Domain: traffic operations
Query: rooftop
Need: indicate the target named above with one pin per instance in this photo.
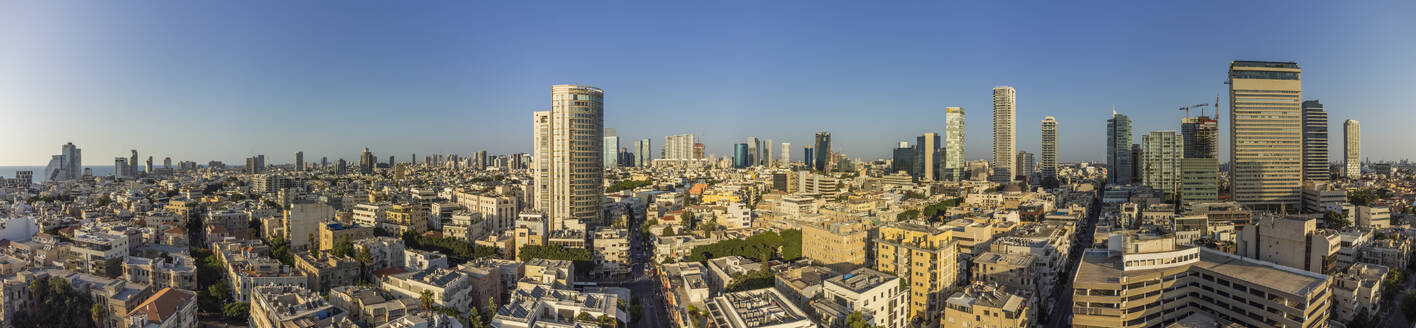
(862, 280)
(1105, 267)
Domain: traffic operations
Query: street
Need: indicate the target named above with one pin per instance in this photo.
(1062, 304)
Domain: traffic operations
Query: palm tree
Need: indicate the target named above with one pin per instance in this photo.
(426, 299)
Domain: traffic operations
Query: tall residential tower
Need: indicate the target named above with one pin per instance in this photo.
(569, 164)
(1352, 151)
(1005, 143)
(1049, 148)
(953, 143)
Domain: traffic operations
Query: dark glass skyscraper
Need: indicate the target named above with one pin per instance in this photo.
(741, 159)
(1315, 142)
(1119, 164)
(823, 151)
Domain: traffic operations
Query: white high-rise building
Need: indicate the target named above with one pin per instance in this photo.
(1005, 143)
(679, 146)
(1049, 147)
(767, 153)
(786, 152)
(568, 167)
(612, 146)
(1352, 152)
(953, 143)
(1160, 167)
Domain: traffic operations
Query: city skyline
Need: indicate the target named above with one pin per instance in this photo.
(448, 84)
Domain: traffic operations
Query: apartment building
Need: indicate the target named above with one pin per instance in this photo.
(450, 288)
(987, 305)
(876, 295)
(927, 257)
(175, 271)
(839, 245)
(1291, 241)
(291, 306)
(756, 308)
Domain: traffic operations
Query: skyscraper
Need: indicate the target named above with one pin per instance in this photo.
(823, 151)
(1027, 164)
(1315, 142)
(1004, 134)
(1162, 151)
(299, 161)
(1118, 149)
(698, 150)
(1201, 137)
(786, 153)
(1352, 149)
(678, 147)
(1265, 134)
(741, 155)
(366, 162)
(926, 158)
(120, 167)
(642, 154)
(953, 143)
(810, 156)
(766, 153)
(1049, 147)
(903, 159)
(569, 165)
(149, 165)
(754, 151)
(612, 146)
(133, 164)
(73, 161)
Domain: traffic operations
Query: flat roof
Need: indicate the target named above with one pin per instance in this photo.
(1099, 267)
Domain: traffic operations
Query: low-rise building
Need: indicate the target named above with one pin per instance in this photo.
(986, 305)
(291, 306)
(493, 279)
(1358, 290)
(724, 271)
(756, 308)
(802, 283)
(876, 295)
(449, 288)
(545, 306)
(248, 266)
(168, 308)
(176, 271)
(332, 232)
(327, 271)
(839, 245)
(372, 306)
(556, 273)
(416, 260)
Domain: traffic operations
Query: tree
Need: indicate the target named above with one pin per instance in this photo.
(343, 248)
(98, 314)
(426, 299)
(1336, 220)
(1051, 182)
(584, 317)
(856, 320)
(907, 215)
(239, 311)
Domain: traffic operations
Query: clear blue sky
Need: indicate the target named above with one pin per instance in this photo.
(205, 80)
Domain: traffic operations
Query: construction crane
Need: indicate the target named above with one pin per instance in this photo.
(1187, 109)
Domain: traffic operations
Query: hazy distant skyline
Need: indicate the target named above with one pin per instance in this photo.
(201, 81)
